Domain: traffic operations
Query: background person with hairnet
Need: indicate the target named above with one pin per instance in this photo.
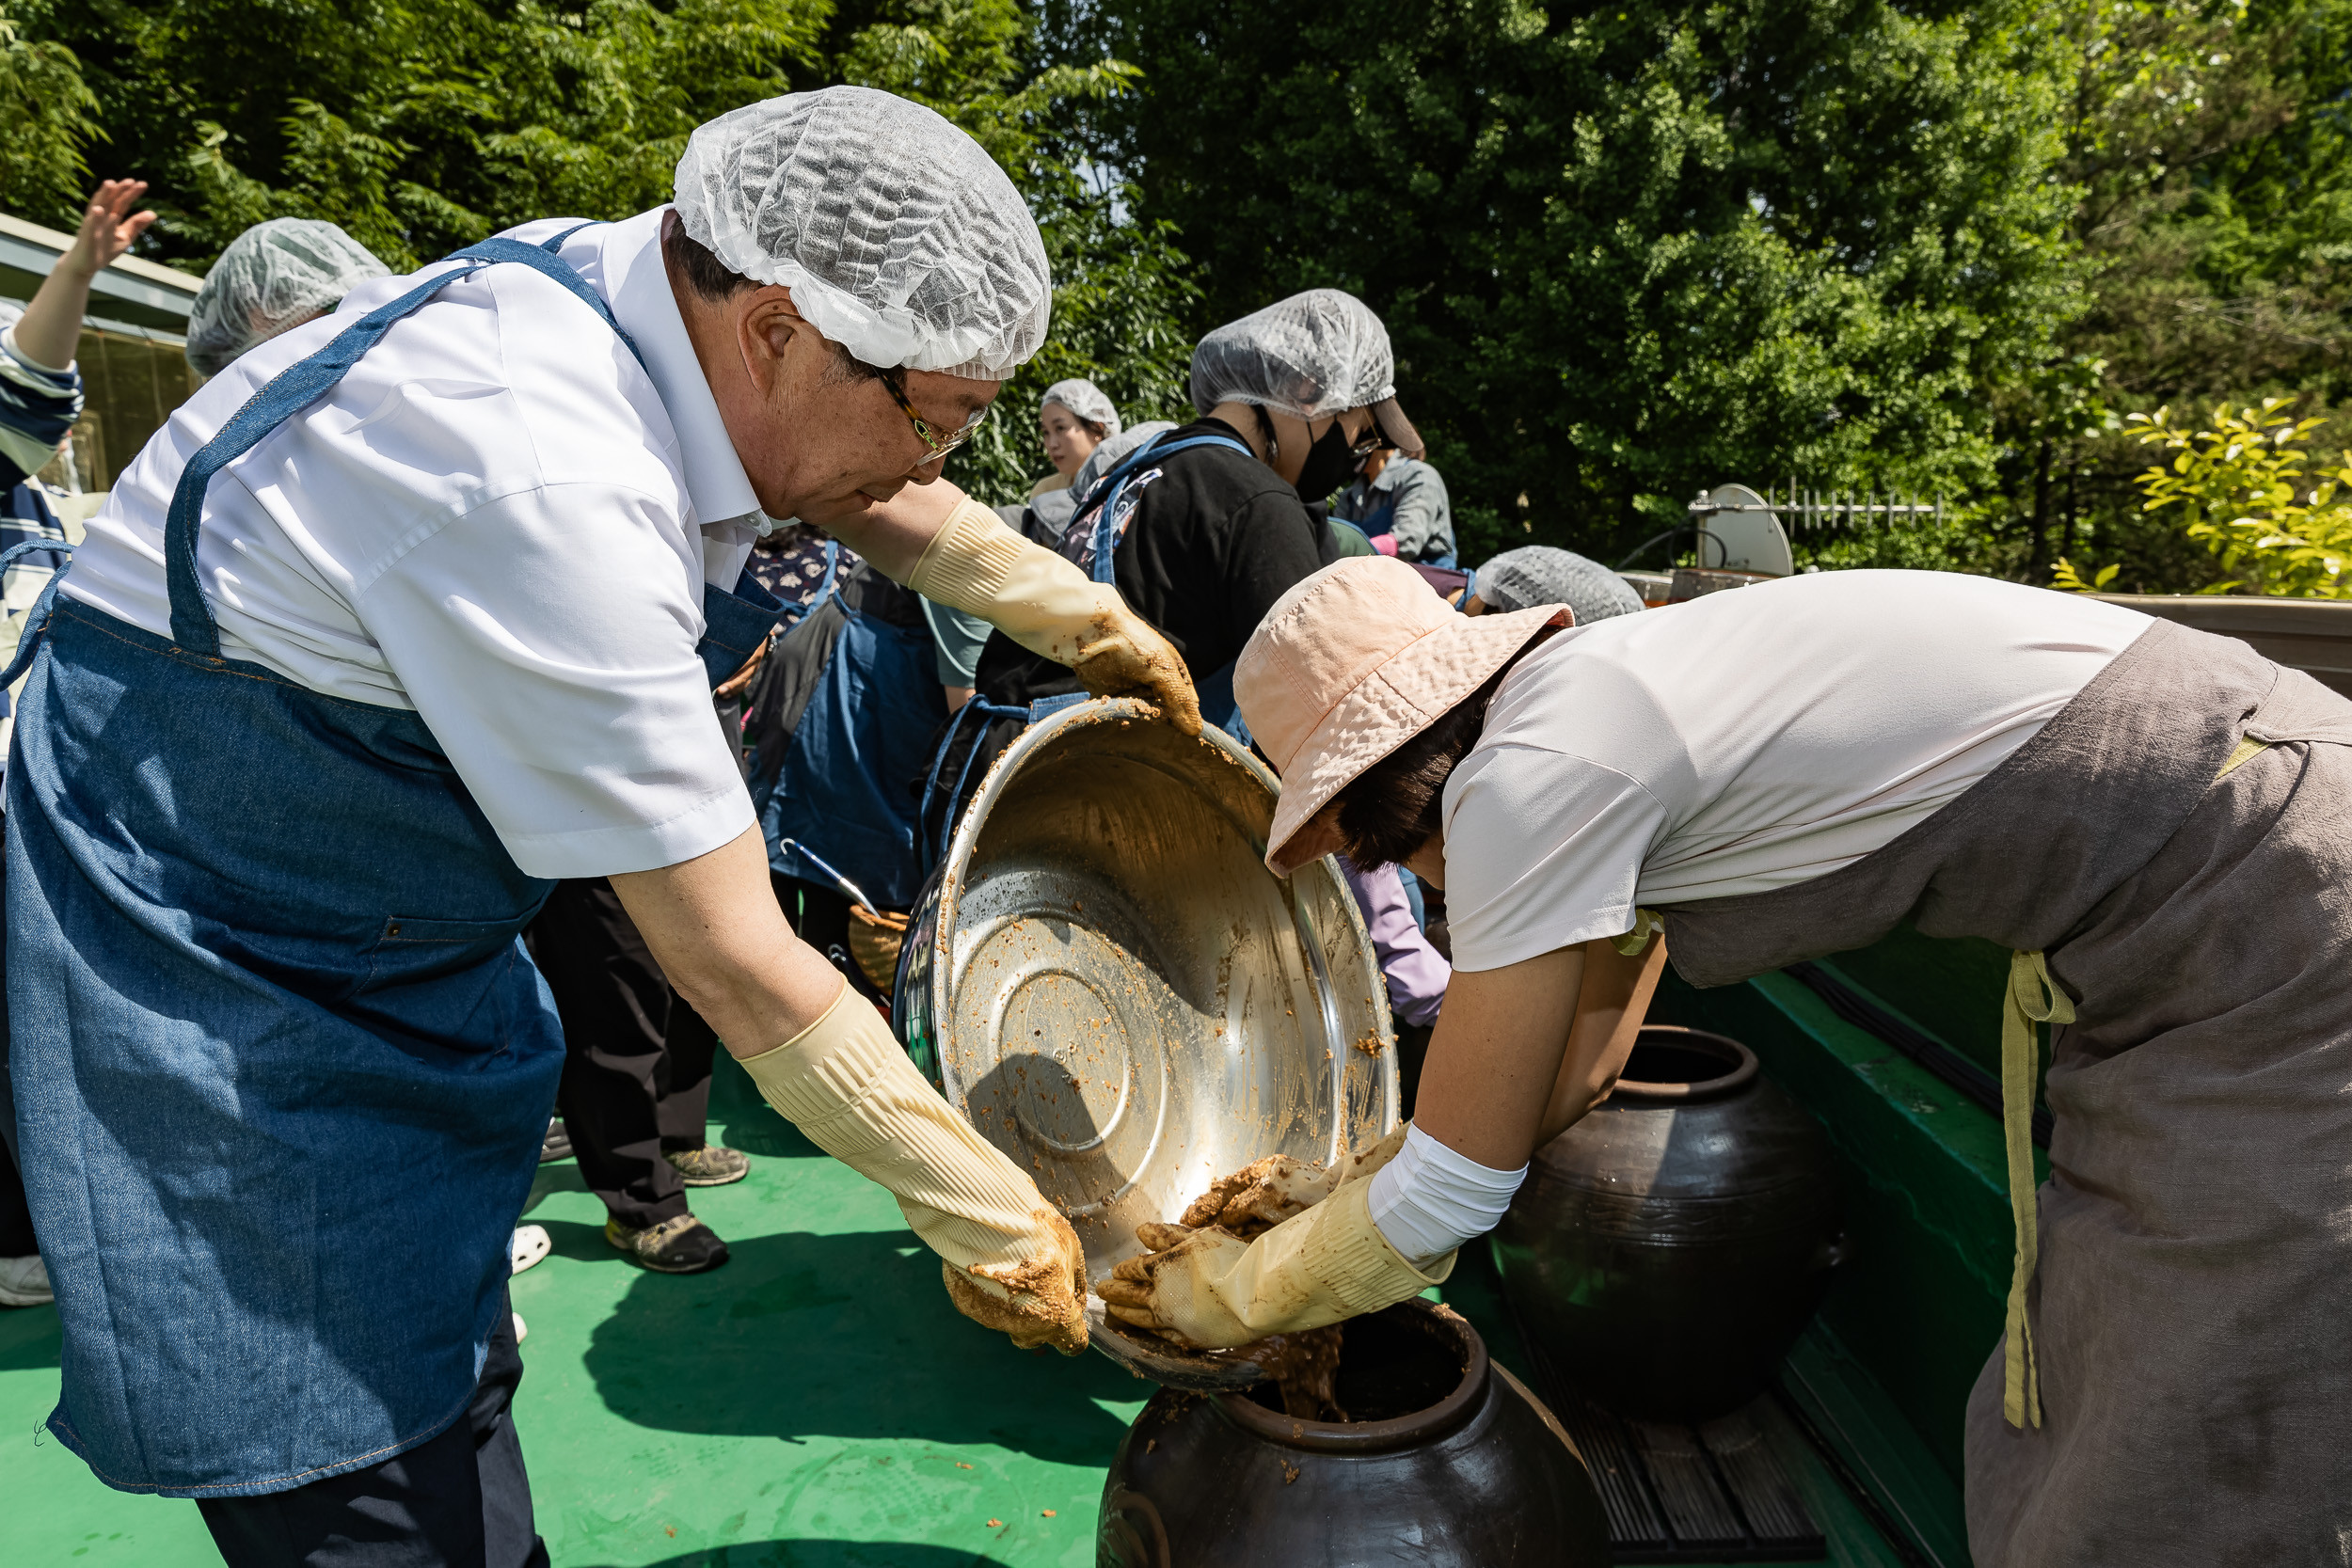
(274, 275)
(1201, 527)
(1539, 573)
(1401, 505)
(302, 752)
(1074, 419)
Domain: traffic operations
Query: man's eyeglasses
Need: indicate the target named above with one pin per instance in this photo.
(1372, 441)
(933, 442)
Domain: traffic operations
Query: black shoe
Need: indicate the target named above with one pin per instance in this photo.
(680, 1246)
(557, 1145)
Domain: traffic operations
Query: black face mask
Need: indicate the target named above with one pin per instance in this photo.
(1331, 463)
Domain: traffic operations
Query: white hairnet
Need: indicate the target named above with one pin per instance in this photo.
(1310, 354)
(1538, 573)
(900, 238)
(274, 275)
(1084, 399)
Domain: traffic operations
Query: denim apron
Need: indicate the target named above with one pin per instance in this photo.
(842, 782)
(282, 1065)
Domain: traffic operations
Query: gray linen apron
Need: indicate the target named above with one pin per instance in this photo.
(2192, 1308)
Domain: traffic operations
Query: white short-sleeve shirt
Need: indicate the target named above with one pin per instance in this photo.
(1745, 741)
(499, 520)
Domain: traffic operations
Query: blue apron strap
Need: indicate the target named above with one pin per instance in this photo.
(1217, 706)
(735, 625)
(831, 584)
(1045, 706)
(297, 386)
(1113, 485)
(37, 618)
(986, 711)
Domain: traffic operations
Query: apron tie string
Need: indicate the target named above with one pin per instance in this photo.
(2033, 998)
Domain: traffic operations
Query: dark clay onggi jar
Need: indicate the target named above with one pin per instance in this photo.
(1665, 1251)
(1451, 1464)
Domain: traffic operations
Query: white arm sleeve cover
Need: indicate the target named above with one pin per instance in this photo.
(1429, 1200)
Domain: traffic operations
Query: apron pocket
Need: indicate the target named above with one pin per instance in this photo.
(409, 950)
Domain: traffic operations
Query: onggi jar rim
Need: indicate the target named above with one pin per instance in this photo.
(1422, 1426)
(1740, 1071)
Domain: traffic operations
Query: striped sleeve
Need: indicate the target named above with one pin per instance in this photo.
(38, 406)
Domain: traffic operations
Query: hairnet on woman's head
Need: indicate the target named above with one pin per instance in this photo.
(1084, 399)
(274, 275)
(1311, 356)
(1537, 574)
(900, 238)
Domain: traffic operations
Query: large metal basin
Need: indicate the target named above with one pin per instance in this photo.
(1109, 984)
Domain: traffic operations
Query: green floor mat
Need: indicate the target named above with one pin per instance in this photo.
(814, 1403)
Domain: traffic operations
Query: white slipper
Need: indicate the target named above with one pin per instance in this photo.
(527, 1245)
(523, 1330)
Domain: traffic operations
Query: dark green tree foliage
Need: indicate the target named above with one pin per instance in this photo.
(1631, 249)
(47, 110)
(422, 125)
(2210, 149)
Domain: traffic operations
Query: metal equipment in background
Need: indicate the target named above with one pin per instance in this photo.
(1739, 531)
(1750, 527)
(1741, 537)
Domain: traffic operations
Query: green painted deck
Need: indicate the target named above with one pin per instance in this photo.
(814, 1403)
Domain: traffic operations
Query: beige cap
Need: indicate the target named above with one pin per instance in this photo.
(1349, 665)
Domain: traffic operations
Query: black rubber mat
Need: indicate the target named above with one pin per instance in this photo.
(1715, 1493)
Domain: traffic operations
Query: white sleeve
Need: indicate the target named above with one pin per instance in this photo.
(1429, 1200)
(548, 639)
(1542, 850)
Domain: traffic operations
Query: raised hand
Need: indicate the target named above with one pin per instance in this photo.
(108, 226)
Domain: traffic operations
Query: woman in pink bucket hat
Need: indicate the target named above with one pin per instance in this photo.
(2154, 818)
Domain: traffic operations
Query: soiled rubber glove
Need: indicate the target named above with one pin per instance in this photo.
(1276, 1187)
(1043, 602)
(1213, 1291)
(1009, 1260)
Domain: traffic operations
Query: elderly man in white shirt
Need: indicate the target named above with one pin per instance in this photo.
(407, 614)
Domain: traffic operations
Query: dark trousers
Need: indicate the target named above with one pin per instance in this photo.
(459, 1500)
(819, 915)
(636, 1057)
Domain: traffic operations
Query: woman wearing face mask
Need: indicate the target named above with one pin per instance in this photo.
(1203, 523)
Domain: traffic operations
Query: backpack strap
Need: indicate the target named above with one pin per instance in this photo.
(1103, 499)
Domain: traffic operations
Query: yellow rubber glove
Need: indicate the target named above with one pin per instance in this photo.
(977, 564)
(1009, 1260)
(1213, 1291)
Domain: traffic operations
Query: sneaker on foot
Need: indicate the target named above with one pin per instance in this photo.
(709, 1165)
(557, 1145)
(25, 1281)
(528, 1246)
(680, 1246)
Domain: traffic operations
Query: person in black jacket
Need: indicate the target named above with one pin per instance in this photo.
(1204, 522)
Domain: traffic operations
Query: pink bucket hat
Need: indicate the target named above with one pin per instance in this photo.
(1348, 666)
